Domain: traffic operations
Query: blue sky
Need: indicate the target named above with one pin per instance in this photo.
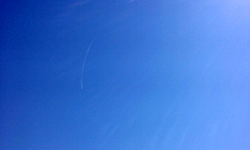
(158, 75)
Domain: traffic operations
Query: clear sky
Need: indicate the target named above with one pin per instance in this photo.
(125, 75)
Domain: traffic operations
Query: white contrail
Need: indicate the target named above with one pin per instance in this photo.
(85, 60)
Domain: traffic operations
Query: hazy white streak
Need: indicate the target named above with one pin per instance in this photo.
(85, 61)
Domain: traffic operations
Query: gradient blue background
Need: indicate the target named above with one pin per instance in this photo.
(160, 75)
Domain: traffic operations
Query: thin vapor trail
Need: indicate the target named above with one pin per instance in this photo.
(85, 60)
